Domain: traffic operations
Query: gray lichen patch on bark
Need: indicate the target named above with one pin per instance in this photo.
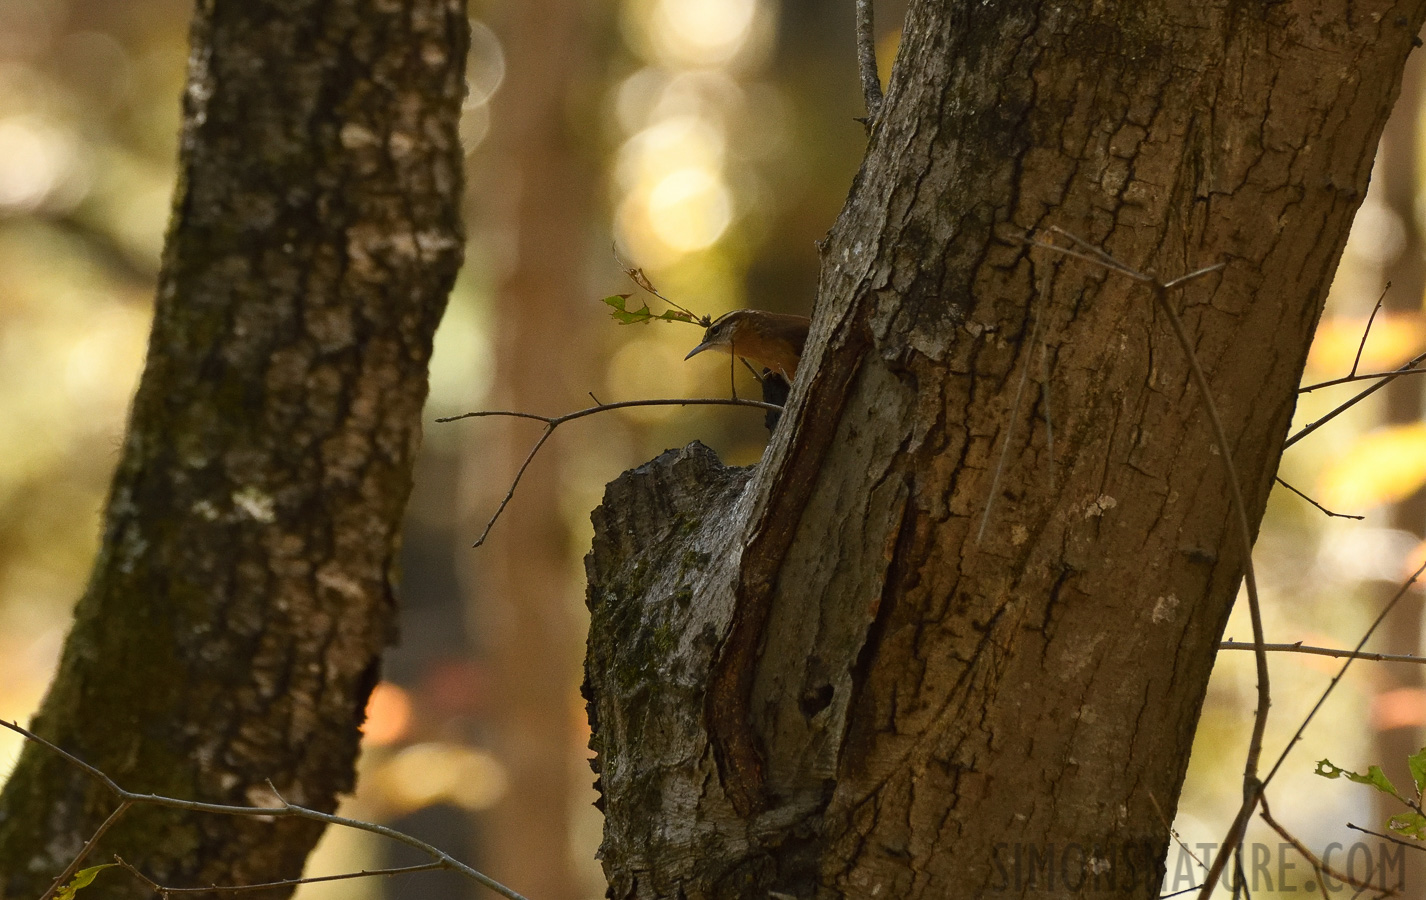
(665, 543)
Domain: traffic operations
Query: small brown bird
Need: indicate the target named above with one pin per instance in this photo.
(771, 340)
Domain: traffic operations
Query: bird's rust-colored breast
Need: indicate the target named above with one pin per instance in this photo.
(774, 340)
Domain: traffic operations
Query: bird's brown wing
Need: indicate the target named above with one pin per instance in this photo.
(774, 340)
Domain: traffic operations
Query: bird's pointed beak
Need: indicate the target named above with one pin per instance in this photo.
(697, 350)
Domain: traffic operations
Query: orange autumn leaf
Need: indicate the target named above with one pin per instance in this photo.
(388, 715)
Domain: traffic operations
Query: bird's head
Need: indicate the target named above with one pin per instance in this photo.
(719, 334)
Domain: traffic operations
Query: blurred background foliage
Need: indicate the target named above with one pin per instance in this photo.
(713, 142)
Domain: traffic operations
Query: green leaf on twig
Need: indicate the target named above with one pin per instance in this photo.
(81, 880)
(1411, 825)
(627, 316)
(1374, 777)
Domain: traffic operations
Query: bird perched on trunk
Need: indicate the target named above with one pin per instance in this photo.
(771, 340)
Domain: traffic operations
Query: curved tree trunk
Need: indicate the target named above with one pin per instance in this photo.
(235, 620)
(815, 677)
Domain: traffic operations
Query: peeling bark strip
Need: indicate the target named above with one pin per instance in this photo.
(235, 619)
(855, 698)
(737, 748)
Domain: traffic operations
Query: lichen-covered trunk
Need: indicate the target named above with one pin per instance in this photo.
(235, 620)
(868, 668)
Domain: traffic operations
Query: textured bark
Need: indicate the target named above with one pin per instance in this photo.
(815, 678)
(234, 623)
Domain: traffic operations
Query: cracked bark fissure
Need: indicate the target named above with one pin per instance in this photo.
(235, 619)
(810, 677)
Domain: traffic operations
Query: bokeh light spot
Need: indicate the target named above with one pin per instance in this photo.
(388, 715)
(690, 209)
(33, 160)
(701, 32)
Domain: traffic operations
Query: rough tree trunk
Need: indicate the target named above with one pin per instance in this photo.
(234, 623)
(814, 677)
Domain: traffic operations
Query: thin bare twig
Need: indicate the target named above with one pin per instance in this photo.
(286, 810)
(165, 890)
(1168, 826)
(553, 422)
(1318, 866)
(866, 62)
(69, 871)
(1366, 332)
(749, 366)
(1009, 432)
(1335, 652)
(1324, 509)
(1414, 845)
(1049, 418)
(1196, 273)
(1332, 685)
(1094, 254)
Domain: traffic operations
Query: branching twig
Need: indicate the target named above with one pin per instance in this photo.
(1324, 509)
(1327, 692)
(1252, 787)
(1385, 379)
(1349, 379)
(164, 890)
(69, 871)
(866, 62)
(1318, 866)
(553, 422)
(286, 810)
(636, 275)
(1299, 647)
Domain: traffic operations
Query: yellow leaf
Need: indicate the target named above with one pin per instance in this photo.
(1385, 466)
